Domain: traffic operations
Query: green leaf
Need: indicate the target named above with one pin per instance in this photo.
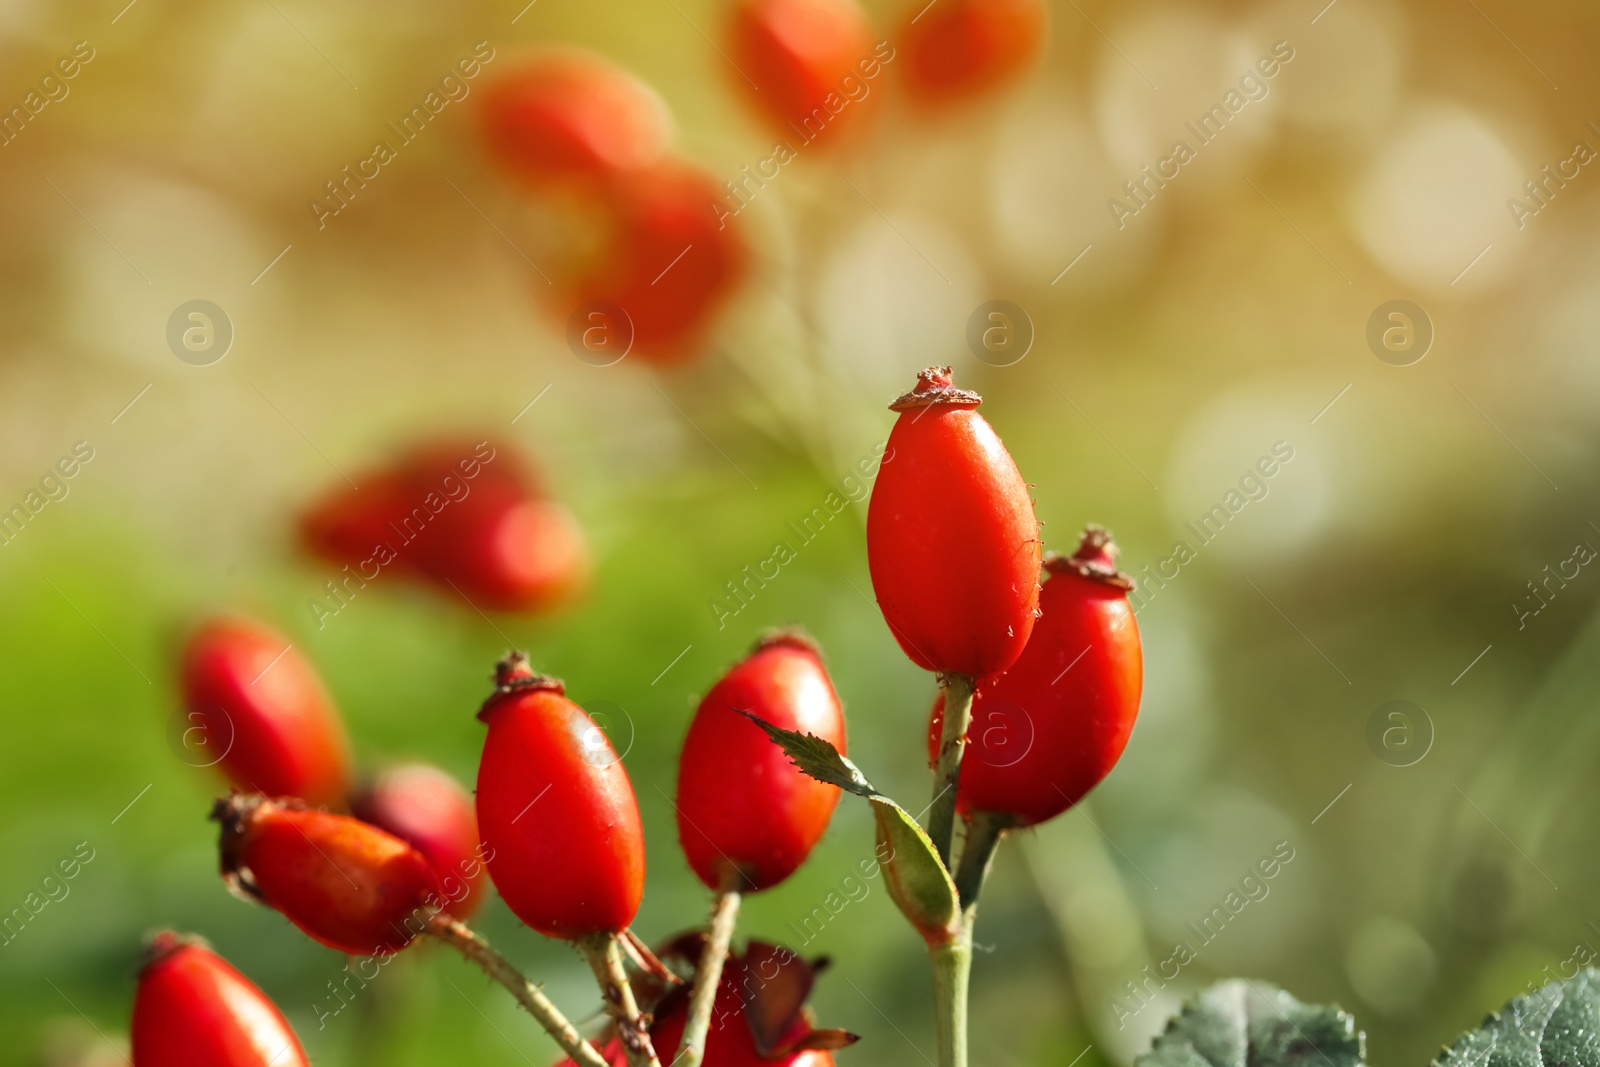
(1556, 1026)
(1240, 1023)
(917, 882)
(817, 758)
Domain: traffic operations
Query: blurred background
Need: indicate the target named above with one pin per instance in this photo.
(1425, 544)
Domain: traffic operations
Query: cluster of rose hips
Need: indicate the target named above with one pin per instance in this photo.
(590, 141)
(955, 557)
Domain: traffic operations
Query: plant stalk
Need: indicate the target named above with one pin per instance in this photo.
(470, 944)
(984, 832)
(958, 692)
(952, 964)
(605, 959)
(707, 977)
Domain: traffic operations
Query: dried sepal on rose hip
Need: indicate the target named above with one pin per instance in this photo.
(1051, 728)
(747, 816)
(193, 1009)
(427, 808)
(256, 709)
(556, 811)
(345, 883)
(952, 542)
(760, 1017)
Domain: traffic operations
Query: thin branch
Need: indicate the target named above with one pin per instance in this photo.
(472, 945)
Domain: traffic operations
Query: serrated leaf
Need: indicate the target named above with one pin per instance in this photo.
(1240, 1023)
(917, 881)
(817, 758)
(1555, 1026)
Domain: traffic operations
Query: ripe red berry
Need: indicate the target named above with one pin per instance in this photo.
(1049, 729)
(556, 810)
(469, 518)
(505, 552)
(671, 260)
(429, 810)
(958, 49)
(573, 115)
(747, 817)
(192, 1009)
(258, 709)
(349, 885)
(952, 543)
(803, 56)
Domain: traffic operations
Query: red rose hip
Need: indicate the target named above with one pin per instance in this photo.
(802, 55)
(429, 810)
(1049, 729)
(556, 810)
(747, 817)
(958, 49)
(193, 1009)
(952, 542)
(258, 709)
(349, 885)
(572, 115)
(671, 260)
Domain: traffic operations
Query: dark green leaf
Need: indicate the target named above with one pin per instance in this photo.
(1240, 1023)
(1556, 1026)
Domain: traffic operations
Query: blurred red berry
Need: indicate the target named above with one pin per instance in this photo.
(952, 542)
(428, 809)
(468, 518)
(556, 810)
(257, 709)
(958, 49)
(808, 62)
(1048, 730)
(671, 261)
(573, 115)
(193, 1009)
(747, 817)
(345, 883)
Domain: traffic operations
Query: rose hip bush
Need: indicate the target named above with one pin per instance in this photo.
(1011, 632)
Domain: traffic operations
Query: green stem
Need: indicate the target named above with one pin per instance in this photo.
(706, 978)
(465, 941)
(952, 964)
(605, 959)
(958, 691)
(984, 832)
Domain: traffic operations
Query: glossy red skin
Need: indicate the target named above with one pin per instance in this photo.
(741, 803)
(282, 732)
(728, 1043)
(573, 116)
(671, 295)
(952, 543)
(429, 810)
(193, 1009)
(797, 52)
(959, 49)
(558, 817)
(1073, 725)
(346, 884)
